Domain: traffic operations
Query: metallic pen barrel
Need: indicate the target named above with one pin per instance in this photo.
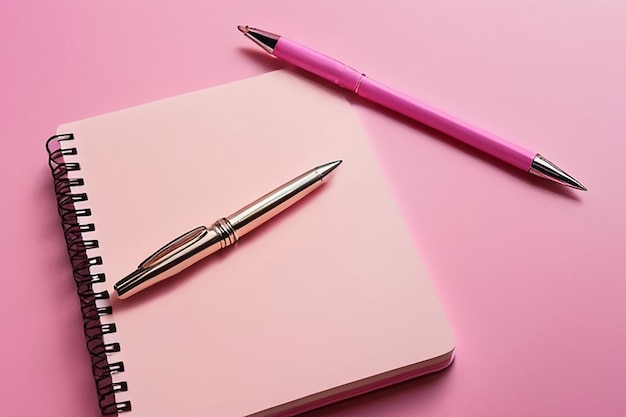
(174, 257)
(201, 241)
(268, 206)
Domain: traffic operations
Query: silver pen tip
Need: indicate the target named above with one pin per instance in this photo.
(263, 38)
(324, 170)
(546, 169)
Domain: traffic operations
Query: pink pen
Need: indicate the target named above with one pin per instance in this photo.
(355, 81)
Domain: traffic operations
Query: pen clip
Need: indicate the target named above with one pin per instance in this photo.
(174, 246)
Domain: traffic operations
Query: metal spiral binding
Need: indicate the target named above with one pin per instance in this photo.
(77, 248)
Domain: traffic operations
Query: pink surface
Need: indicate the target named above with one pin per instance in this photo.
(530, 275)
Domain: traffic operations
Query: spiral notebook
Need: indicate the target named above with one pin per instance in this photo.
(326, 301)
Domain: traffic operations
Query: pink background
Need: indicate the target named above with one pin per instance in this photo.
(531, 275)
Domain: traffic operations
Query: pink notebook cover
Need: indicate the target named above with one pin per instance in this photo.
(326, 301)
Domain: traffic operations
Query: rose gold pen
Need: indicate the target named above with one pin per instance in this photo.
(202, 241)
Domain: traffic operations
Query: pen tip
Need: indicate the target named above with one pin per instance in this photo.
(324, 170)
(546, 169)
(243, 29)
(333, 165)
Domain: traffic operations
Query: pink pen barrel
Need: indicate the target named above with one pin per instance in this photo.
(423, 113)
(319, 64)
(351, 79)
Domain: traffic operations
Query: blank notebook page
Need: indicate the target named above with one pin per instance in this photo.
(331, 292)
